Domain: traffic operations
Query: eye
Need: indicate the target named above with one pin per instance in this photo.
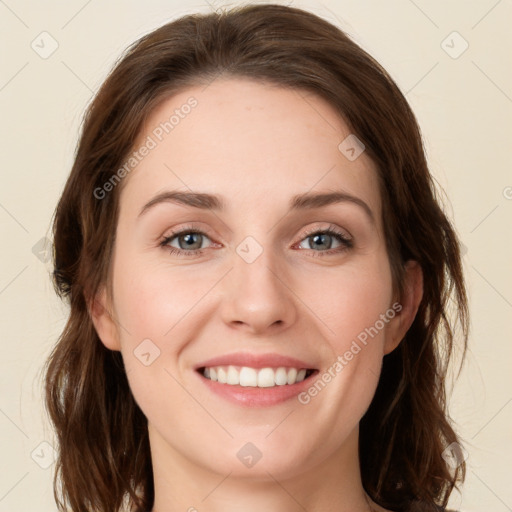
(185, 242)
(322, 240)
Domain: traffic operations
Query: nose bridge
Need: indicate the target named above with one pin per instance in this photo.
(256, 267)
(257, 296)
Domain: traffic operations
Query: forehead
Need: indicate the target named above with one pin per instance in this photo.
(249, 142)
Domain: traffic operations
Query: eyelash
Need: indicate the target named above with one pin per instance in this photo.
(347, 243)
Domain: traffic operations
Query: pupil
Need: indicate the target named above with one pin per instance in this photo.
(189, 240)
(321, 237)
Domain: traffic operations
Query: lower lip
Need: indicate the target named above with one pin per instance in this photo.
(257, 397)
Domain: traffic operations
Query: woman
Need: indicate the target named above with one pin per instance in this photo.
(258, 273)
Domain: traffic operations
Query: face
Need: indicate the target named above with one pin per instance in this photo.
(254, 279)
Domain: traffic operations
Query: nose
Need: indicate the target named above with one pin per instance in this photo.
(257, 298)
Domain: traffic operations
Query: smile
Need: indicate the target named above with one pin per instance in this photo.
(256, 380)
(255, 377)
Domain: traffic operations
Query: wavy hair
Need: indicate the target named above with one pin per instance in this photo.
(104, 461)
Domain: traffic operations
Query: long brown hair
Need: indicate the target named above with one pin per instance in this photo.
(104, 458)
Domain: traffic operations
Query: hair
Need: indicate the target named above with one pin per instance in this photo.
(104, 459)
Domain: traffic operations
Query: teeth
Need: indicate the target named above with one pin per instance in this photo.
(233, 377)
(221, 375)
(252, 377)
(292, 375)
(247, 376)
(266, 378)
(281, 376)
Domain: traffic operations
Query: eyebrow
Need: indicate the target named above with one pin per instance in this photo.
(305, 201)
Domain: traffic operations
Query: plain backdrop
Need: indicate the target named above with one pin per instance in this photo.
(451, 60)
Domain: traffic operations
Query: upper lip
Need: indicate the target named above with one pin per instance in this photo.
(255, 361)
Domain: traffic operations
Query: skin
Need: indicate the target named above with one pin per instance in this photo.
(256, 145)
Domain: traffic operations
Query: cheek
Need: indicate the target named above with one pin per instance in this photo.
(352, 299)
(151, 303)
(355, 305)
(151, 298)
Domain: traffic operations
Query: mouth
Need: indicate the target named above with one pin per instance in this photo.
(256, 380)
(248, 377)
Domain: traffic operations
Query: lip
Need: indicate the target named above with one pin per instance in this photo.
(258, 361)
(248, 396)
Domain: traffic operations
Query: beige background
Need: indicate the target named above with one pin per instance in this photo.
(464, 106)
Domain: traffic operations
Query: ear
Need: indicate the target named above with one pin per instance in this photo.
(103, 320)
(409, 302)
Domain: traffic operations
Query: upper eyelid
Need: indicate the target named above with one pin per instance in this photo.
(329, 228)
